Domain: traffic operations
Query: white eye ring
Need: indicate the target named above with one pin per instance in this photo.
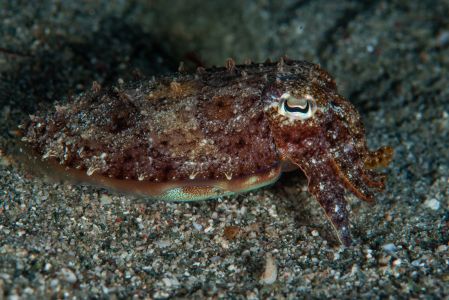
(297, 108)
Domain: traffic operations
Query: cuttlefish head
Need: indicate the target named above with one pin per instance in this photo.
(320, 132)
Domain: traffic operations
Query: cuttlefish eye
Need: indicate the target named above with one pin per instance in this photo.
(296, 108)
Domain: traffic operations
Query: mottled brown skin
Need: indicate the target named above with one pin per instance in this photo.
(330, 147)
(220, 127)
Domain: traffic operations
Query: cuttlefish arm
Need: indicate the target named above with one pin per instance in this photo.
(331, 173)
(328, 182)
(327, 188)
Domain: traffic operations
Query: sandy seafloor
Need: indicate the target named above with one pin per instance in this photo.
(390, 58)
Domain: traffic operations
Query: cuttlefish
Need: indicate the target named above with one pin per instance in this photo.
(216, 132)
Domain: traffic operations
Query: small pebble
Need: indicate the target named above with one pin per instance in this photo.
(230, 232)
(433, 204)
(47, 267)
(417, 263)
(163, 243)
(197, 226)
(397, 262)
(270, 274)
(105, 199)
(443, 38)
(442, 248)
(54, 283)
(170, 282)
(68, 275)
(389, 247)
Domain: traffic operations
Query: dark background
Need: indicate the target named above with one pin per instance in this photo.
(390, 58)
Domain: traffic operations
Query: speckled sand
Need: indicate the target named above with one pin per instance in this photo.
(390, 58)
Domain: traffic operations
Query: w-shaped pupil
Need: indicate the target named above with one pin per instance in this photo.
(298, 109)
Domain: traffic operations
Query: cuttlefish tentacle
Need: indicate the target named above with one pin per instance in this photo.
(329, 191)
(351, 177)
(353, 126)
(352, 160)
(374, 180)
(348, 163)
(357, 177)
(327, 181)
(373, 160)
(380, 158)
